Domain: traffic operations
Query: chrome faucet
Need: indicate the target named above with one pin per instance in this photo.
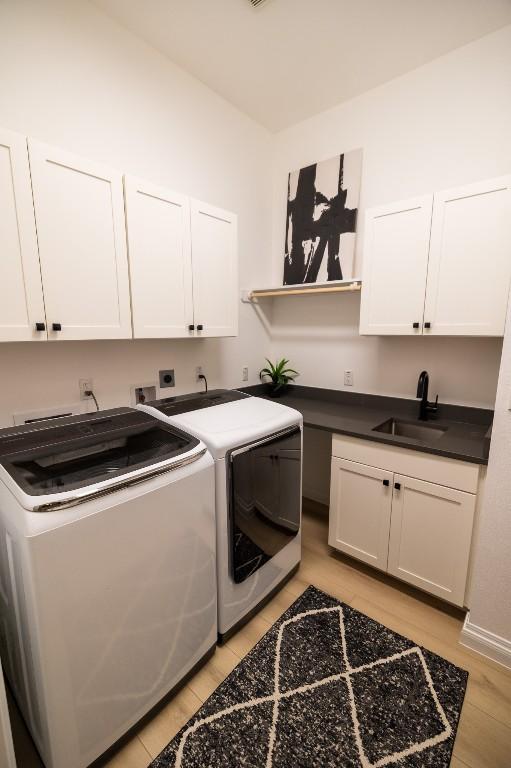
(426, 408)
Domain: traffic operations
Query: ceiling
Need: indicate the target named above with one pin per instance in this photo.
(289, 59)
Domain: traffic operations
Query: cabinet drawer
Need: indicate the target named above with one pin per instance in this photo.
(452, 473)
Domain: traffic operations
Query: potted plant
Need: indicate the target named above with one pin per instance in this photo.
(279, 376)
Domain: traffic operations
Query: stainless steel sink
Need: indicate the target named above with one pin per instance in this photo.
(412, 429)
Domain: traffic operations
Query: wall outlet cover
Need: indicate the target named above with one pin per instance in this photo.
(167, 378)
(348, 378)
(244, 373)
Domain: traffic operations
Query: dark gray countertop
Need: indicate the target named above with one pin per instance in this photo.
(467, 430)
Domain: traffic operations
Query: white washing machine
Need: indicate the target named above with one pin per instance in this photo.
(107, 573)
(257, 447)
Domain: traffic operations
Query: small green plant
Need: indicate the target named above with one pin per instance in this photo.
(278, 373)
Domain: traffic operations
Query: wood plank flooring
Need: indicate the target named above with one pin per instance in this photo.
(484, 735)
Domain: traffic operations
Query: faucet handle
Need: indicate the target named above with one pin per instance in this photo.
(433, 407)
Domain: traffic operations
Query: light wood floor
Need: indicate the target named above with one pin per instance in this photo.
(484, 735)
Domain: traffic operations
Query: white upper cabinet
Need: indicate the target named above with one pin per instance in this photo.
(64, 226)
(158, 223)
(215, 273)
(395, 267)
(470, 260)
(455, 282)
(21, 295)
(79, 210)
(183, 264)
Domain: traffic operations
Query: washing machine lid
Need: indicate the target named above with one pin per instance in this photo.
(64, 454)
(232, 423)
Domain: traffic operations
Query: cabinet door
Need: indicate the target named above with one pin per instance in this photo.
(470, 262)
(430, 537)
(79, 210)
(360, 505)
(21, 295)
(158, 223)
(395, 266)
(215, 270)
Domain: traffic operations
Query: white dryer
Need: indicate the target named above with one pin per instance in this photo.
(107, 573)
(257, 447)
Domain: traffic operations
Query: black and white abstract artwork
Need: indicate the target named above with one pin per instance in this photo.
(322, 207)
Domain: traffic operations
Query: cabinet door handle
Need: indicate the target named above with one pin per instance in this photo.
(191, 327)
(415, 325)
(427, 325)
(200, 327)
(56, 326)
(397, 486)
(386, 483)
(40, 326)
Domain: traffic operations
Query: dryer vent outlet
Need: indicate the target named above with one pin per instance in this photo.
(167, 379)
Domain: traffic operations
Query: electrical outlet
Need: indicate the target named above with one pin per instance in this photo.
(348, 378)
(85, 385)
(167, 378)
(244, 373)
(198, 372)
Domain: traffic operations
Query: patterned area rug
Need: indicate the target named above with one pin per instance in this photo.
(326, 686)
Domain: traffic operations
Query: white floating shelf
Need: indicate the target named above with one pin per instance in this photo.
(338, 286)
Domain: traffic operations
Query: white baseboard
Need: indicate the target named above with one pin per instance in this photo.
(486, 643)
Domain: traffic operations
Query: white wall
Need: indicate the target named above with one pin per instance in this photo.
(73, 78)
(445, 124)
(319, 334)
(491, 581)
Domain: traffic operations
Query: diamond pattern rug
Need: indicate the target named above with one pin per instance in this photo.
(326, 686)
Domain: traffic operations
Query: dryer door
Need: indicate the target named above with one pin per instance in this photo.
(265, 500)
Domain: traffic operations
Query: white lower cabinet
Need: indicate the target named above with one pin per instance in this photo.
(417, 530)
(360, 507)
(430, 535)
